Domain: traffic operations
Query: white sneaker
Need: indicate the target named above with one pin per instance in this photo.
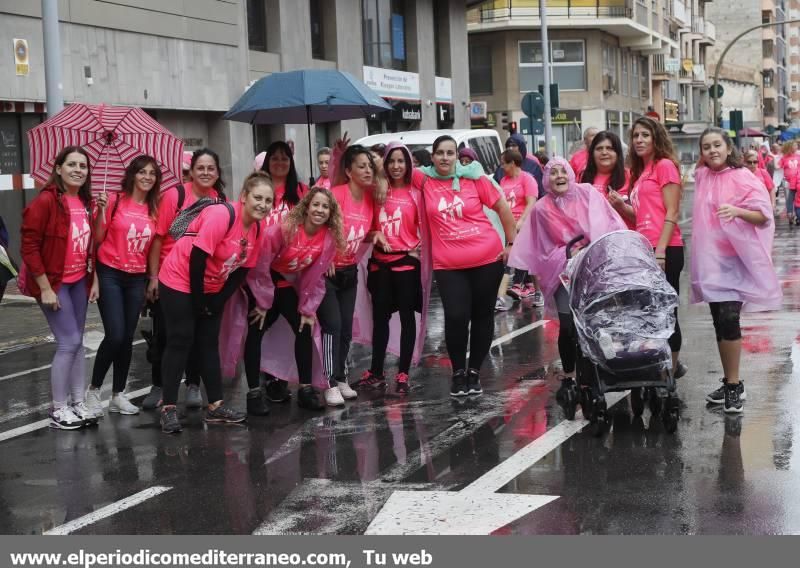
(333, 397)
(501, 305)
(82, 411)
(94, 402)
(347, 392)
(121, 404)
(64, 419)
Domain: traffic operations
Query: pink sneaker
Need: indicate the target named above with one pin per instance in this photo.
(516, 291)
(401, 384)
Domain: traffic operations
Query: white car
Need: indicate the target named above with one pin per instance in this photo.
(485, 142)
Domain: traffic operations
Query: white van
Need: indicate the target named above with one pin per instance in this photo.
(485, 142)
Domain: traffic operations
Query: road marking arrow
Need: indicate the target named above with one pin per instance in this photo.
(478, 508)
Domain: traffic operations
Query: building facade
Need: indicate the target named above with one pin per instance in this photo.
(794, 62)
(186, 63)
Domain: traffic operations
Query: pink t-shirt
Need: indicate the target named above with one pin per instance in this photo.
(517, 190)
(167, 211)
(648, 202)
(764, 176)
(357, 221)
(299, 254)
(461, 234)
(281, 209)
(128, 237)
(579, 161)
(790, 164)
(227, 249)
(78, 237)
(602, 181)
(323, 182)
(398, 220)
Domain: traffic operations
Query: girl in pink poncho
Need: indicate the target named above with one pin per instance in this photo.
(732, 233)
(288, 281)
(568, 210)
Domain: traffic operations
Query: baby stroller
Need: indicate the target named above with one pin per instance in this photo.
(623, 309)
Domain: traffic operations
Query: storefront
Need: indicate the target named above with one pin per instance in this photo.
(566, 132)
(401, 90)
(445, 113)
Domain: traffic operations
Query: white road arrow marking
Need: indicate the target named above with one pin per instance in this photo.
(477, 509)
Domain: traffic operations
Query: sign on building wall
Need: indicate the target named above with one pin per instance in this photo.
(672, 64)
(21, 56)
(392, 84)
(444, 90)
(477, 110)
(671, 111)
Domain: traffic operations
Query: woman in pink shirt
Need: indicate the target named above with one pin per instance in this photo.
(468, 258)
(352, 189)
(205, 267)
(790, 164)
(206, 182)
(56, 240)
(521, 191)
(751, 161)
(124, 226)
(732, 270)
(655, 202)
(287, 281)
(394, 280)
(279, 164)
(606, 170)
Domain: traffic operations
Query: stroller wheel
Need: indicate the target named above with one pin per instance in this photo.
(586, 403)
(671, 414)
(600, 418)
(567, 397)
(656, 404)
(637, 401)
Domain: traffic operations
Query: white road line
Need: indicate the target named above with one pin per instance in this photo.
(523, 459)
(45, 367)
(38, 425)
(108, 511)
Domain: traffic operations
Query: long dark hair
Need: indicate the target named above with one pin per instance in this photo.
(617, 179)
(291, 192)
(219, 185)
(85, 191)
(734, 160)
(129, 180)
(406, 156)
(662, 147)
(347, 160)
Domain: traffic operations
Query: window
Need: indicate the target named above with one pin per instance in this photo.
(488, 152)
(317, 35)
(384, 23)
(257, 25)
(567, 60)
(480, 69)
(610, 56)
(14, 151)
(624, 90)
(634, 76)
(645, 78)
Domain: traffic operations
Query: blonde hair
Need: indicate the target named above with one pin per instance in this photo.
(297, 217)
(257, 178)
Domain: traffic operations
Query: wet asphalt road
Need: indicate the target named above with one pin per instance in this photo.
(332, 472)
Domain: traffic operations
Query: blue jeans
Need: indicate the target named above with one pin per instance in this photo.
(121, 300)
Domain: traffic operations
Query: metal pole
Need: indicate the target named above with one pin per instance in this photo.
(725, 52)
(548, 121)
(52, 57)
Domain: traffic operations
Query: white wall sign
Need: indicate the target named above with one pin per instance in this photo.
(444, 90)
(392, 84)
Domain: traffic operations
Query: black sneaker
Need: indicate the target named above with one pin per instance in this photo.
(680, 370)
(308, 399)
(224, 415)
(473, 382)
(256, 403)
(733, 398)
(169, 420)
(718, 396)
(370, 380)
(278, 391)
(459, 384)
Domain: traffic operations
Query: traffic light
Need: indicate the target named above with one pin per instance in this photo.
(554, 102)
(504, 120)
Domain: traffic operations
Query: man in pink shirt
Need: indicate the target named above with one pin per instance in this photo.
(580, 158)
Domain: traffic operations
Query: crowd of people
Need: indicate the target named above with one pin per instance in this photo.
(283, 279)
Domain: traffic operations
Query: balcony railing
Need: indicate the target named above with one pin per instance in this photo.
(494, 10)
(698, 26)
(679, 11)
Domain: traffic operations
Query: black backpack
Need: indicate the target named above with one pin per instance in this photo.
(180, 226)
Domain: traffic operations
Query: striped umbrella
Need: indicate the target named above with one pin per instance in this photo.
(112, 136)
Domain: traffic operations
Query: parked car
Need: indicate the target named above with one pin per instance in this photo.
(485, 142)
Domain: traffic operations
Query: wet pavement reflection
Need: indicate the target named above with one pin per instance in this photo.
(332, 472)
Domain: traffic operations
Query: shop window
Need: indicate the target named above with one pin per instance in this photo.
(14, 151)
(317, 29)
(257, 25)
(567, 65)
(480, 69)
(384, 33)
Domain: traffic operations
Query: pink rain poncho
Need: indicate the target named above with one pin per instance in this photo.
(277, 347)
(732, 260)
(540, 247)
(362, 319)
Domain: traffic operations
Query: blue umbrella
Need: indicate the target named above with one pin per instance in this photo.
(307, 96)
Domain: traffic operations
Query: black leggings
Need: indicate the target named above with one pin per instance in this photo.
(284, 304)
(335, 315)
(468, 297)
(726, 320)
(672, 269)
(188, 334)
(393, 291)
(156, 350)
(567, 334)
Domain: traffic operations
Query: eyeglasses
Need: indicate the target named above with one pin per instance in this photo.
(752, 162)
